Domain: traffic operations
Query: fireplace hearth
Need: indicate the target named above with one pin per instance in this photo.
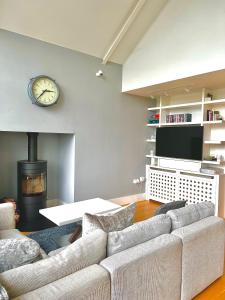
(32, 186)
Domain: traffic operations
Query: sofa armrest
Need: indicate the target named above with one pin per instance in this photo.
(92, 282)
(202, 255)
(151, 270)
(7, 218)
(86, 251)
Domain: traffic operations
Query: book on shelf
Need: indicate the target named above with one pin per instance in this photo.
(213, 115)
(178, 118)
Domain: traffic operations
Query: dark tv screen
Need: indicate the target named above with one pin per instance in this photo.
(180, 142)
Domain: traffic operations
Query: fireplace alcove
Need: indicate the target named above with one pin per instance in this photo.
(52, 178)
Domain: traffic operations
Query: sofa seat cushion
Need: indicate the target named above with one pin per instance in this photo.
(84, 252)
(190, 214)
(112, 221)
(17, 252)
(138, 233)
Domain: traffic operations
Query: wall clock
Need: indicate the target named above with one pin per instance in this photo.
(43, 91)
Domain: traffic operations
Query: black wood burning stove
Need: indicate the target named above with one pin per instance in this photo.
(32, 187)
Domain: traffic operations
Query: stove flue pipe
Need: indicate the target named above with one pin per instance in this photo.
(32, 146)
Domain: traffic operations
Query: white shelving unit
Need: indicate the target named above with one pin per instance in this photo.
(194, 103)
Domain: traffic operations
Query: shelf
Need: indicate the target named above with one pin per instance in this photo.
(182, 105)
(214, 102)
(190, 104)
(150, 141)
(213, 122)
(214, 142)
(153, 125)
(211, 162)
(180, 124)
(154, 108)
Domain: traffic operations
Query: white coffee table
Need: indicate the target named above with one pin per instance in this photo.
(73, 212)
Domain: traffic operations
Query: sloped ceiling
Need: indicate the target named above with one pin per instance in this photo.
(88, 26)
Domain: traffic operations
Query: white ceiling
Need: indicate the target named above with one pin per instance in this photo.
(88, 26)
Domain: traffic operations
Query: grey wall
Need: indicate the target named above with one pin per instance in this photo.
(109, 126)
(51, 147)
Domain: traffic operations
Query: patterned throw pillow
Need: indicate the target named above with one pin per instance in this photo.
(114, 221)
(17, 252)
(3, 293)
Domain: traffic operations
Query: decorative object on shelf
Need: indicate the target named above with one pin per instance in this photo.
(43, 91)
(211, 171)
(178, 118)
(213, 115)
(154, 119)
(209, 97)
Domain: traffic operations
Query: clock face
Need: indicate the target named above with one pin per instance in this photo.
(43, 91)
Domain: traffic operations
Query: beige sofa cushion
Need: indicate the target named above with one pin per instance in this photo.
(189, 214)
(116, 220)
(138, 233)
(86, 251)
(91, 283)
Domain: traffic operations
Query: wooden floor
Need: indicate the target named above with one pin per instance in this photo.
(216, 291)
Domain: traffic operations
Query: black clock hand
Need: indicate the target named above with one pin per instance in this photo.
(49, 91)
(41, 94)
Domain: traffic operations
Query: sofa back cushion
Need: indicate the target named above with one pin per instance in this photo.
(84, 252)
(190, 214)
(116, 220)
(138, 233)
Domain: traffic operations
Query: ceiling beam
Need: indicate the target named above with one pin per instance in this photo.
(123, 30)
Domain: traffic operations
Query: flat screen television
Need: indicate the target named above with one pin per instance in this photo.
(180, 142)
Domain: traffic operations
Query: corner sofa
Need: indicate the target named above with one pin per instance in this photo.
(178, 262)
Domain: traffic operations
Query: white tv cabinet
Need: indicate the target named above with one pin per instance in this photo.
(166, 185)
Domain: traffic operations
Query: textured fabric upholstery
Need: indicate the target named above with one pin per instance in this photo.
(7, 219)
(91, 283)
(202, 255)
(86, 251)
(112, 221)
(190, 214)
(17, 252)
(164, 208)
(138, 233)
(148, 271)
(14, 233)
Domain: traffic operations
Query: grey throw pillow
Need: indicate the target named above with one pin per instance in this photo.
(116, 220)
(190, 214)
(138, 233)
(3, 293)
(163, 209)
(17, 252)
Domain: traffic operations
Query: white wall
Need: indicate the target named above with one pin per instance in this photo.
(187, 38)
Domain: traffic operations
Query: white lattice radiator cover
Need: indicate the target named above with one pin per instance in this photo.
(165, 185)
